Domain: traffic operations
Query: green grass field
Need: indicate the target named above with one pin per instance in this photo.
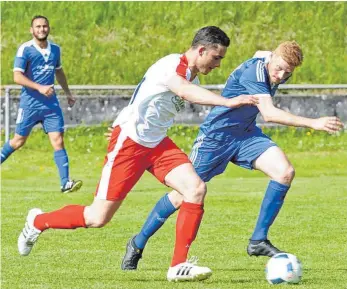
(119, 40)
(312, 224)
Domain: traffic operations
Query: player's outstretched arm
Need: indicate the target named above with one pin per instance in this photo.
(21, 79)
(271, 113)
(196, 94)
(61, 78)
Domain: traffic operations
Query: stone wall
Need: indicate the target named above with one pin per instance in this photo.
(97, 107)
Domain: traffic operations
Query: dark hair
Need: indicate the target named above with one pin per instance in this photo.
(39, 17)
(210, 36)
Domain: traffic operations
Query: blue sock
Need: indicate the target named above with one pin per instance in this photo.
(62, 162)
(162, 210)
(6, 151)
(271, 205)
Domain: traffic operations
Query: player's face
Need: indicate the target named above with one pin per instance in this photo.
(40, 29)
(210, 58)
(279, 69)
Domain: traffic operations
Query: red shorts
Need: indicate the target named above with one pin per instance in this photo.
(127, 160)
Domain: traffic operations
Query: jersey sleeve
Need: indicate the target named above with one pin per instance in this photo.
(176, 66)
(21, 60)
(167, 74)
(255, 79)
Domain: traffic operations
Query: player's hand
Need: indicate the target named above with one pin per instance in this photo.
(109, 133)
(46, 90)
(71, 100)
(242, 100)
(329, 124)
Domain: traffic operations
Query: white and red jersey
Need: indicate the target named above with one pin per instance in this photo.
(153, 106)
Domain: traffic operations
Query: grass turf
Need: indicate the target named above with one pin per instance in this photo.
(312, 224)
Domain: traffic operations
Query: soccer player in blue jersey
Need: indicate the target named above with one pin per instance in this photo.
(36, 64)
(231, 135)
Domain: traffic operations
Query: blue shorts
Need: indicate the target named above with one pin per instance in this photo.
(211, 157)
(52, 120)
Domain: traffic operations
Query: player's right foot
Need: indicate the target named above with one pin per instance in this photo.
(188, 272)
(263, 248)
(71, 186)
(29, 234)
(132, 256)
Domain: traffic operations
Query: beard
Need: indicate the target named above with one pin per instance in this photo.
(41, 38)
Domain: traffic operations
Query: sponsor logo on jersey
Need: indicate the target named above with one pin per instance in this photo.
(178, 102)
(41, 69)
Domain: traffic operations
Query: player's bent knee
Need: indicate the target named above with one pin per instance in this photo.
(202, 188)
(200, 192)
(58, 145)
(287, 175)
(57, 140)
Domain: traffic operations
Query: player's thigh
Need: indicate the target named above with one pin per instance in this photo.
(164, 158)
(273, 162)
(210, 157)
(100, 212)
(186, 181)
(26, 120)
(124, 164)
(53, 120)
(250, 147)
(172, 167)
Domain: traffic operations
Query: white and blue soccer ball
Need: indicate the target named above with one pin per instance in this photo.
(283, 268)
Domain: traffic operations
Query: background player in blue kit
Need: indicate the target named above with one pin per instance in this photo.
(36, 63)
(231, 135)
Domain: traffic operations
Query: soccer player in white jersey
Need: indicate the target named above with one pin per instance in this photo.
(139, 143)
(37, 62)
(230, 135)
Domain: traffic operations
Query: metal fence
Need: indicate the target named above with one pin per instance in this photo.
(8, 88)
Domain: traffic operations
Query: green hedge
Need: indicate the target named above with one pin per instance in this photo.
(115, 42)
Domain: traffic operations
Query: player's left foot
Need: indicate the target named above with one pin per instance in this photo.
(71, 186)
(132, 256)
(188, 271)
(263, 248)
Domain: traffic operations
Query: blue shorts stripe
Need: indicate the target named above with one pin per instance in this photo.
(198, 143)
(52, 120)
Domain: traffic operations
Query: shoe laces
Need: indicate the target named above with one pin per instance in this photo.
(193, 260)
(30, 233)
(269, 243)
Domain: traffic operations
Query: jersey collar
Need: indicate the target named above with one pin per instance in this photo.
(188, 72)
(45, 52)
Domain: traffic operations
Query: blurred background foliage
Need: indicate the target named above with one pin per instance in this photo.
(115, 42)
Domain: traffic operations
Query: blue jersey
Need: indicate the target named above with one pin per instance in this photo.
(250, 78)
(39, 66)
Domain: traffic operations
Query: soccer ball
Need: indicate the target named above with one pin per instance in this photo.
(283, 268)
